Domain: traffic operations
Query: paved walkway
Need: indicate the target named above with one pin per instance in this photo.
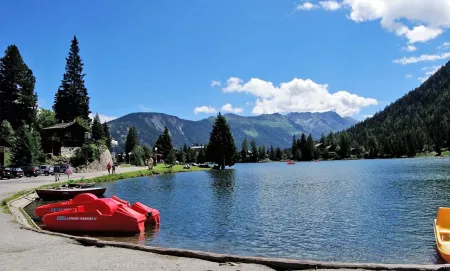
(27, 250)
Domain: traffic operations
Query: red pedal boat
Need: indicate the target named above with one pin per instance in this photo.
(151, 216)
(291, 163)
(103, 215)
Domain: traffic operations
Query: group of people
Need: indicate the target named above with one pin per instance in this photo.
(57, 172)
(109, 167)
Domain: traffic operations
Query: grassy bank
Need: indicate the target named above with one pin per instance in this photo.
(159, 169)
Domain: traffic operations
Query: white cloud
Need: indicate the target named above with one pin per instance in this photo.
(204, 109)
(144, 108)
(422, 58)
(409, 75)
(298, 95)
(367, 116)
(330, 5)
(228, 108)
(248, 104)
(306, 6)
(410, 48)
(430, 18)
(445, 45)
(215, 83)
(103, 118)
(429, 71)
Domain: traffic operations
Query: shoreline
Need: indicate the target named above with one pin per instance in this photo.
(214, 261)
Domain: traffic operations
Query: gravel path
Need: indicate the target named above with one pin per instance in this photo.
(26, 250)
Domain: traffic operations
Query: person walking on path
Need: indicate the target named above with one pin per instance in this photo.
(56, 173)
(68, 171)
(114, 168)
(109, 167)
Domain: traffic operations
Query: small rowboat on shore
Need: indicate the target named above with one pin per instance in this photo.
(442, 232)
(67, 192)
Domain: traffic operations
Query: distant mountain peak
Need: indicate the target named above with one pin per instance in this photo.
(267, 129)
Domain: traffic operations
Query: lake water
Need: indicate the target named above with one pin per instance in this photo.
(378, 211)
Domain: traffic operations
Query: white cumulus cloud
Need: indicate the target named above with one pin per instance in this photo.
(215, 83)
(445, 45)
(297, 95)
(144, 108)
(306, 6)
(429, 17)
(228, 108)
(204, 109)
(409, 75)
(330, 5)
(422, 58)
(410, 48)
(102, 117)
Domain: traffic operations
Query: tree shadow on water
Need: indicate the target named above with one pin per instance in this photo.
(222, 182)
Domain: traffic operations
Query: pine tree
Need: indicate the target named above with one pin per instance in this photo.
(303, 148)
(97, 129)
(272, 155)
(71, 99)
(170, 158)
(221, 148)
(344, 144)
(201, 158)
(6, 134)
(294, 148)
(308, 154)
(262, 153)
(107, 135)
(26, 148)
(132, 140)
(18, 101)
(244, 150)
(254, 156)
(164, 143)
(278, 154)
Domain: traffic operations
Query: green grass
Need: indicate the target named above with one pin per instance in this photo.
(159, 169)
(125, 165)
(6, 210)
(431, 154)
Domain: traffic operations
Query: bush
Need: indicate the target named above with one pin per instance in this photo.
(85, 155)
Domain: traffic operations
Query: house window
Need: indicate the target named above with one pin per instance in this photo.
(67, 134)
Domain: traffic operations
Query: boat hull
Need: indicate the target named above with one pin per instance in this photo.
(101, 215)
(442, 233)
(57, 194)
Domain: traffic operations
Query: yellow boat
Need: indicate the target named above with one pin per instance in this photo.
(442, 232)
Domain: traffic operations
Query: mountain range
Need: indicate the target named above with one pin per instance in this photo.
(268, 129)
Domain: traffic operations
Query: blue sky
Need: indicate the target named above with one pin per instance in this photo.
(351, 56)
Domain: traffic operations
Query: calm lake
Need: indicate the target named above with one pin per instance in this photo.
(378, 211)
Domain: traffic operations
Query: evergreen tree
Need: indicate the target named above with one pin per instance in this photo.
(97, 128)
(278, 154)
(132, 140)
(181, 156)
(272, 155)
(164, 143)
(221, 148)
(26, 148)
(18, 101)
(302, 146)
(261, 153)
(201, 158)
(244, 150)
(344, 144)
(308, 155)
(6, 134)
(254, 156)
(71, 99)
(294, 148)
(107, 135)
(137, 155)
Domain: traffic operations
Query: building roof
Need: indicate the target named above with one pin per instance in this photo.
(197, 147)
(60, 125)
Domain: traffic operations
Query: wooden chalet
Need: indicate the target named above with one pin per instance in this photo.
(63, 135)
